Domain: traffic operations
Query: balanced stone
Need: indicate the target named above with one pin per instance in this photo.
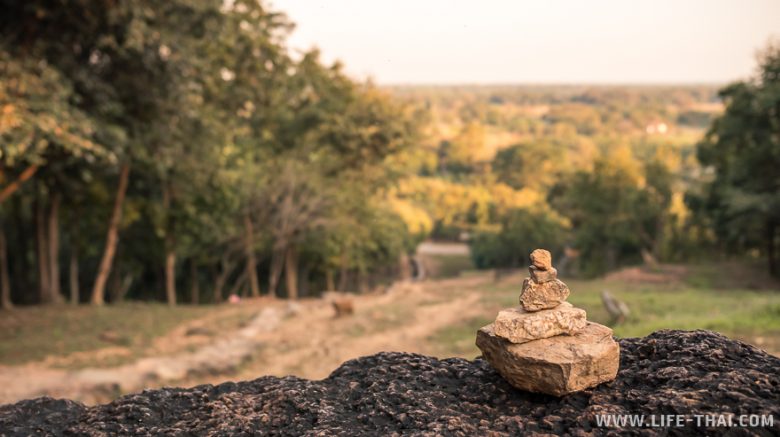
(557, 365)
(520, 326)
(538, 296)
(539, 276)
(541, 259)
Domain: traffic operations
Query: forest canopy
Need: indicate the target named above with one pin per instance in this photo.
(181, 143)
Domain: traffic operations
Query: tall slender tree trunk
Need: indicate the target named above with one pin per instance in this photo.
(251, 263)
(5, 278)
(170, 270)
(219, 283)
(277, 263)
(74, 276)
(44, 286)
(291, 272)
(112, 239)
(194, 284)
(170, 246)
(54, 249)
(239, 284)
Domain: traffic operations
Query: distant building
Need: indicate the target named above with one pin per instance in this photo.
(657, 127)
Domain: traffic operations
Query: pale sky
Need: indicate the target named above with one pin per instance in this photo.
(540, 41)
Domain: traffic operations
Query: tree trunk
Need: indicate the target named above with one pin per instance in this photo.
(112, 239)
(9, 189)
(222, 275)
(277, 263)
(170, 271)
(330, 282)
(194, 284)
(251, 263)
(170, 246)
(54, 249)
(122, 286)
(44, 286)
(74, 276)
(291, 272)
(5, 278)
(238, 284)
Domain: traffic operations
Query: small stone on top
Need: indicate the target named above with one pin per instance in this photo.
(541, 259)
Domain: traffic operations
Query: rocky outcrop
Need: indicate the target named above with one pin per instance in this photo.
(669, 372)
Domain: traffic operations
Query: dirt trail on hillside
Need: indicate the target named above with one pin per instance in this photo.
(303, 339)
(98, 384)
(315, 343)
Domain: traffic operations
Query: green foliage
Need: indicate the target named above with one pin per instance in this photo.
(521, 231)
(612, 210)
(220, 124)
(742, 149)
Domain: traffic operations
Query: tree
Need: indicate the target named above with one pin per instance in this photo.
(520, 232)
(742, 149)
(612, 211)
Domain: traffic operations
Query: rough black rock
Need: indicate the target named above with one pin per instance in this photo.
(668, 372)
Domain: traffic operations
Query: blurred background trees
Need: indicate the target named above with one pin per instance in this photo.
(180, 151)
(742, 153)
(157, 147)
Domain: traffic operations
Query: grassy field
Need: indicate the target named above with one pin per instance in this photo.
(698, 297)
(129, 329)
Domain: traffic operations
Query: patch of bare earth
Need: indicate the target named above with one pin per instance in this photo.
(312, 343)
(661, 274)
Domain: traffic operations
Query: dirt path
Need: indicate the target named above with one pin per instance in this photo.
(313, 353)
(313, 343)
(302, 339)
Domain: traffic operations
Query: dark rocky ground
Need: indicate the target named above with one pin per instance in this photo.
(668, 372)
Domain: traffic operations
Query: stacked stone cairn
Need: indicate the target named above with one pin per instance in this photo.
(546, 345)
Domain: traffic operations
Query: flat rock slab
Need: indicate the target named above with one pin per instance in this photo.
(556, 365)
(669, 372)
(539, 296)
(519, 326)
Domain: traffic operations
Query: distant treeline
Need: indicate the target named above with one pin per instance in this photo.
(604, 176)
